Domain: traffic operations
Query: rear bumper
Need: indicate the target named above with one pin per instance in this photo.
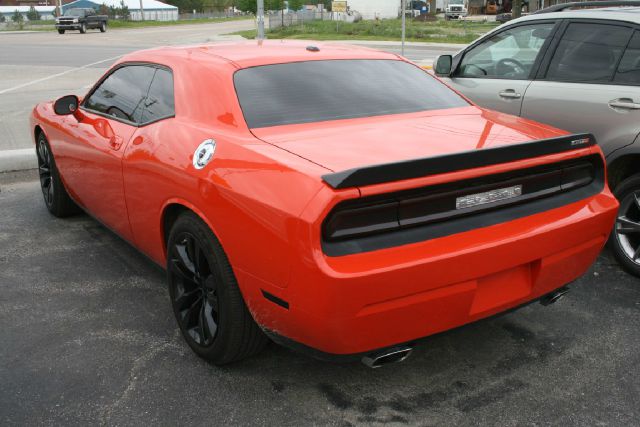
(362, 302)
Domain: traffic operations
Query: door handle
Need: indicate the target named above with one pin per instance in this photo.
(509, 94)
(624, 103)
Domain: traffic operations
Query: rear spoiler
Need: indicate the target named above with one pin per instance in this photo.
(408, 169)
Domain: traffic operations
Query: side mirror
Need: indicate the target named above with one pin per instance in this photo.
(442, 66)
(66, 105)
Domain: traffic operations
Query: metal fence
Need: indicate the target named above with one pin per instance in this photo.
(287, 19)
(213, 15)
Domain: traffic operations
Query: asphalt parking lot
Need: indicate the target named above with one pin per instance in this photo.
(88, 337)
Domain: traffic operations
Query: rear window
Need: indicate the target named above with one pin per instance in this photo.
(314, 91)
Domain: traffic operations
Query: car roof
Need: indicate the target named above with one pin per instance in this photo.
(625, 13)
(251, 53)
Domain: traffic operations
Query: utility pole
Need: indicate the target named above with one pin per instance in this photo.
(404, 22)
(141, 10)
(59, 7)
(260, 19)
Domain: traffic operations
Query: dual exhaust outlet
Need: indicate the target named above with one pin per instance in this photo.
(401, 352)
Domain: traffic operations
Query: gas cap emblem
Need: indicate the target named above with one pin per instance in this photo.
(204, 153)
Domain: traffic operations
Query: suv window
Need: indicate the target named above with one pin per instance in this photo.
(123, 92)
(588, 53)
(159, 103)
(509, 54)
(629, 68)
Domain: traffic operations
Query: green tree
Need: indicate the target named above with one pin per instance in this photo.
(247, 5)
(124, 11)
(104, 10)
(296, 4)
(32, 14)
(2, 18)
(17, 17)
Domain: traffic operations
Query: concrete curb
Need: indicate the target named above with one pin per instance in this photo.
(17, 160)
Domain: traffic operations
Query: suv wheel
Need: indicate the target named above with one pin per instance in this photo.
(60, 31)
(625, 238)
(83, 28)
(103, 27)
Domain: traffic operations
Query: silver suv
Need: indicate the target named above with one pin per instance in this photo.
(578, 70)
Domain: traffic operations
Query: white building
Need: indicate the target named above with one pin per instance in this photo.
(372, 9)
(153, 10)
(45, 12)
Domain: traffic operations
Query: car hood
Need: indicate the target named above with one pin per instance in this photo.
(346, 144)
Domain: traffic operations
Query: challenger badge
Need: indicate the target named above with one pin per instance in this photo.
(488, 197)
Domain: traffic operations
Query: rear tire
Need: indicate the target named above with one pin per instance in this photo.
(60, 31)
(624, 240)
(205, 297)
(83, 28)
(56, 198)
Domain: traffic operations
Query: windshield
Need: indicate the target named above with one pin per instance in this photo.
(456, 2)
(314, 91)
(74, 12)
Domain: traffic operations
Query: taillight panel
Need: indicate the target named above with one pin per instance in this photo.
(358, 221)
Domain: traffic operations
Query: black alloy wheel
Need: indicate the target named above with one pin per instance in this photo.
(56, 198)
(44, 171)
(194, 290)
(205, 296)
(625, 238)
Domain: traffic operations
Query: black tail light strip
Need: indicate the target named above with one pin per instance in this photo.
(410, 216)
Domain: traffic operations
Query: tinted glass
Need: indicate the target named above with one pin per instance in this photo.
(629, 68)
(315, 91)
(588, 53)
(122, 94)
(159, 103)
(509, 54)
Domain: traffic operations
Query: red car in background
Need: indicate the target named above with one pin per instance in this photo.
(339, 200)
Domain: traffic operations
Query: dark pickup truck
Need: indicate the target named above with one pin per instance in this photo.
(81, 19)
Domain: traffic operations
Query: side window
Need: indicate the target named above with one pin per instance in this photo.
(509, 54)
(159, 103)
(588, 53)
(629, 69)
(122, 94)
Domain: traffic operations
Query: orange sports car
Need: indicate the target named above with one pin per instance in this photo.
(339, 200)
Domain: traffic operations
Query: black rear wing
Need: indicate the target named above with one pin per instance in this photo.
(416, 168)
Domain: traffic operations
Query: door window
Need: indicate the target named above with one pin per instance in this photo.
(588, 53)
(629, 69)
(122, 93)
(159, 103)
(509, 54)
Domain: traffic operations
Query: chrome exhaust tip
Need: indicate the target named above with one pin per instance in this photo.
(554, 296)
(385, 357)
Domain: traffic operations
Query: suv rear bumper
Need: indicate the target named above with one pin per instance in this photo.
(362, 302)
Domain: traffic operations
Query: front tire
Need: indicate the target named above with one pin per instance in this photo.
(624, 241)
(56, 198)
(60, 31)
(83, 28)
(205, 297)
(103, 27)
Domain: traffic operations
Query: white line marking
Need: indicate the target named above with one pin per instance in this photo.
(53, 76)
